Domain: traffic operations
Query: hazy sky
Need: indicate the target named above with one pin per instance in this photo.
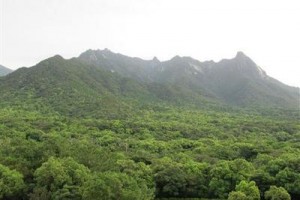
(268, 31)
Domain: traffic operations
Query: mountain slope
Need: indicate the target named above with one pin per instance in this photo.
(75, 88)
(238, 81)
(102, 83)
(70, 87)
(4, 70)
(136, 68)
(161, 77)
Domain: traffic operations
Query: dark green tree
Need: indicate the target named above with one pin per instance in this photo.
(113, 186)
(227, 174)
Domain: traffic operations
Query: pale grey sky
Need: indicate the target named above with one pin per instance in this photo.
(268, 31)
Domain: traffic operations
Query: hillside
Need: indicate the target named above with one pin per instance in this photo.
(69, 87)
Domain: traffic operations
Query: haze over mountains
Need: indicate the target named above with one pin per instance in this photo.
(111, 82)
(4, 70)
(237, 81)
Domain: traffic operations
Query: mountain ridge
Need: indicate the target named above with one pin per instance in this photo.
(105, 83)
(221, 79)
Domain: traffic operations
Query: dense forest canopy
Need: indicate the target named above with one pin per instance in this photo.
(73, 130)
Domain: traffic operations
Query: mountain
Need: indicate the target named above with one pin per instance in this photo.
(135, 68)
(70, 87)
(4, 70)
(102, 83)
(76, 88)
(237, 81)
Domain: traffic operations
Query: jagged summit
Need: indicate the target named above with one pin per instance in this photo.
(242, 57)
(57, 56)
(107, 50)
(52, 61)
(155, 59)
(240, 54)
(177, 57)
(238, 80)
(240, 66)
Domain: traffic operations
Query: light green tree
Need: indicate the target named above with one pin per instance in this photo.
(11, 182)
(60, 179)
(237, 195)
(245, 191)
(277, 193)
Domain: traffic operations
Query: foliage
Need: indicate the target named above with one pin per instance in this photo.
(277, 193)
(11, 182)
(114, 186)
(156, 153)
(246, 191)
(60, 178)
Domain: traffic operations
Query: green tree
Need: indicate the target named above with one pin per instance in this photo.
(237, 195)
(113, 186)
(197, 179)
(11, 182)
(289, 179)
(170, 178)
(249, 189)
(277, 193)
(141, 173)
(227, 174)
(61, 178)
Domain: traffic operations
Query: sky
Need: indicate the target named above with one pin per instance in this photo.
(268, 31)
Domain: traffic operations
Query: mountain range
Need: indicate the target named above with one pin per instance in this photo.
(103, 82)
(4, 70)
(237, 81)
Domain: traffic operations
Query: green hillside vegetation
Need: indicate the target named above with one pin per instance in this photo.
(70, 129)
(75, 88)
(69, 87)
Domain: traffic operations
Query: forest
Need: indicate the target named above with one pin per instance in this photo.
(122, 128)
(162, 152)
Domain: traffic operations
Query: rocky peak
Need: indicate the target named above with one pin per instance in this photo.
(176, 58)
(155, 59)
(246, 65)
(240, 54)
